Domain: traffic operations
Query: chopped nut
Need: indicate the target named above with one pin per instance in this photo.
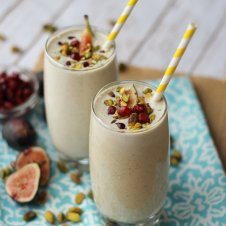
(111, 94)
(76, 177)
(148, 95)
(147, 90)
(118, 89)
(133, 118)
(152, 118)
(62, 167)
(75, 209)
(137, 126)
(109, 102)
(60, 218)
(49, 28)
(16, 49)
(123, 103)
(141, 100)
(125, 97)
(113, 121)
(98, 57)
(149, 109)
(90, 194)
(174, 161)
(73, 217)
(177, 155)
(79, 198)
(29, 216)
(5, 172)
(57, 58)
(122, 90)
(96, 48)
(49, 217)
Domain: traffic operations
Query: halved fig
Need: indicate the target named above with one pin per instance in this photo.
(35, 155)
(22, 185)
(132, 92)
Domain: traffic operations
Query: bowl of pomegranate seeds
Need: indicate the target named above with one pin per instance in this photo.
(18, 93)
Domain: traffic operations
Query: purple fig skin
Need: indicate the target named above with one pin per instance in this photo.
(19, 133)
(22, 186)
(35, 155)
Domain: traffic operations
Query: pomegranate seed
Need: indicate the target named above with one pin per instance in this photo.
(143, 117)
(124, 111)
(138, 108)
(85, 64)
(68, 63)
(120, 125)
(75, 56)
(111, 110)
(75, 43)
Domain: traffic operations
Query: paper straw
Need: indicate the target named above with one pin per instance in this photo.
(175, 61)
(119, 24)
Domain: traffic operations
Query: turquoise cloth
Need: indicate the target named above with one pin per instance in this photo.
(197, 188)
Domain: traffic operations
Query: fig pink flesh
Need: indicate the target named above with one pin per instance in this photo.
(22, 185)
(35, 155)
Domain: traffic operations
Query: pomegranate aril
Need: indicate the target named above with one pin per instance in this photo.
(75, 43)
(85, 64)
(143, 117)
(138, 108)
(111, 110)
(124, 111)
(68, 63)
(75, 56)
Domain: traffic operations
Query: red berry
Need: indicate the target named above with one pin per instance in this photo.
(124, 111)
(111, 110)
(143, 117)
(75, 43)
(138, 108)
(75, 56)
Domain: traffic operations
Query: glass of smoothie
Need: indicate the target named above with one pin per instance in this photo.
(129, 153)
(75, 69)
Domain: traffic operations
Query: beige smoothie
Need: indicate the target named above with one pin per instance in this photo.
(72, 76)
(129, 142)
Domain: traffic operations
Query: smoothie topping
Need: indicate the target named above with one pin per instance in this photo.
(79, 52)
(126, 107)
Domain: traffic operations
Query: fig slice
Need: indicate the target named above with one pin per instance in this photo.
(22, 185)
(133, 96)
(35, 155)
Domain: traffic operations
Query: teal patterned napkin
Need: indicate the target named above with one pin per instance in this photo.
(197, 188)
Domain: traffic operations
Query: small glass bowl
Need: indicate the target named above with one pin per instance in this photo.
(30, 103)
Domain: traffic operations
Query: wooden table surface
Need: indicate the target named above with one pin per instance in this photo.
(148, 39)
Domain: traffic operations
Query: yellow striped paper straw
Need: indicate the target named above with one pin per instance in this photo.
(119, 23)
(175, 61)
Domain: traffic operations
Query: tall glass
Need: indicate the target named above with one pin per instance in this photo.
(129, 170)
(68, 95)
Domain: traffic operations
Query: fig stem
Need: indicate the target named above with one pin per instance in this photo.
(88, 27)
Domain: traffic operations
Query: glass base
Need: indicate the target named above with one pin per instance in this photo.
(151, 221)
(81, 164)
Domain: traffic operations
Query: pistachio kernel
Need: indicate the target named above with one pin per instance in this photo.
(152, 117)
(118, 89)
(141, 100)
(90, 194)
(75, 209)
(173, 161)
(96, 48)
(60, 217)
(62, 167)
(113, 121)
(177, 155)
(73, 217)
(111, 94)
(125, 97)
(123, 103)
(76, 177)
(79, 198)
(29, 216)
(5, 172)
(133, 118)
(148, 95)
(148, 90)
(122, 90)
(49, 28)
(137, 126)
(109, 102)
(149, 109)
(49, 217)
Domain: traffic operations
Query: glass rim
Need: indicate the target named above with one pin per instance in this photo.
(63, 29)
(126, 131)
